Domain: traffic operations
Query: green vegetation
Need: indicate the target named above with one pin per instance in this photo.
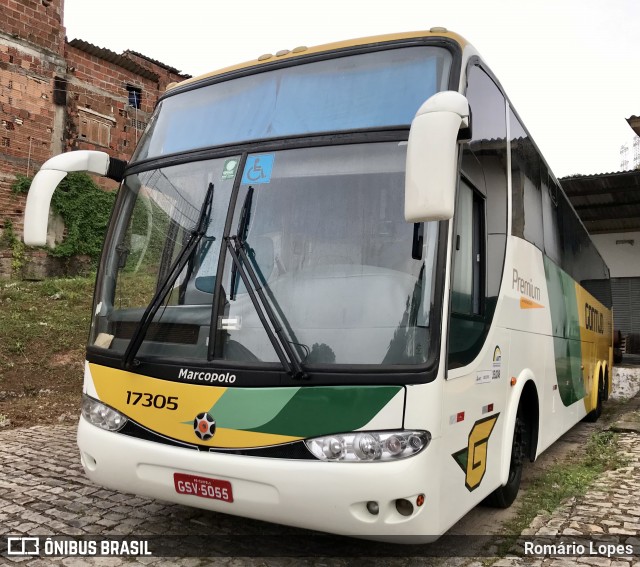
(11, 241)
(564, 480)
(21, 184)
(85, 209)
(49, 317)
(44, 332)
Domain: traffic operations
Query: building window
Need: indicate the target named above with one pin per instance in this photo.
(138, 124)
(60, 91)
(95, 129)
(135, 96)
(6, 143)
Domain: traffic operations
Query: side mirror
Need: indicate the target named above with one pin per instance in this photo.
(36, 214)
(432, 157)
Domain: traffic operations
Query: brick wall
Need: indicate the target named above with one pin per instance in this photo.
(37, 21)
(58, 96)
(98, 97)
(97, 93)
(27, 126)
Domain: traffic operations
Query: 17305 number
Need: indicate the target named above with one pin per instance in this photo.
(150, 400)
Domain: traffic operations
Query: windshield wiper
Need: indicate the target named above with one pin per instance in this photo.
(279, 341)
(174, 271)
(243, 227)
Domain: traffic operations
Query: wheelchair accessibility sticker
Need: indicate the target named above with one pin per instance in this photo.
(258, 169)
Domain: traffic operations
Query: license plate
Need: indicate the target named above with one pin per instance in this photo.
(204, 487)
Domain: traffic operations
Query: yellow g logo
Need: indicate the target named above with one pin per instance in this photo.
(473, 458)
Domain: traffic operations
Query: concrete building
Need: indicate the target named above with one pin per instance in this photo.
(609, 205)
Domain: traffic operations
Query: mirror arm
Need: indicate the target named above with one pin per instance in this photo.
(45, 182)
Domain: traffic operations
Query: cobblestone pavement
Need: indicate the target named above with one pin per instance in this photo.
(43, 491)
(607, 515)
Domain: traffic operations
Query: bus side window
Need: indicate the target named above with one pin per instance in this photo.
(526, 174)
(467, 271)
(482, 216)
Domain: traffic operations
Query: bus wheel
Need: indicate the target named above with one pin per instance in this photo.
(594, 414)
(504, 496)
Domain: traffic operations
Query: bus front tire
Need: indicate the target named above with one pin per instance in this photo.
(504, 496)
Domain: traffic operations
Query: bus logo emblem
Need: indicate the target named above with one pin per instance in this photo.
(473, 458)
(204, 426)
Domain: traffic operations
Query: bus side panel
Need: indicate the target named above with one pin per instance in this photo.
(596, 329)
(474, 409)
(567, 340)
(582, 335)
(540, 306)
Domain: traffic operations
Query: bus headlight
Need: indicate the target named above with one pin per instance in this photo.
(368, 446)
(101, 415)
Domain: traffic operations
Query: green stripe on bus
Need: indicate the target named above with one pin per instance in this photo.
(567, 347)
(301, 412)
(244, 408)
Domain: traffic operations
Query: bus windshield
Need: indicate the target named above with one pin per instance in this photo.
(369, 90)
(350, 281)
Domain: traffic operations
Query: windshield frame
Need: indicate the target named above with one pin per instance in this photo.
(271, 373)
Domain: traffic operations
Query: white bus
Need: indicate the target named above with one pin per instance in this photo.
(340, 290)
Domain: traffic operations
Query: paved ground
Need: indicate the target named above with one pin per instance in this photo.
(43, 491)
(609, 515)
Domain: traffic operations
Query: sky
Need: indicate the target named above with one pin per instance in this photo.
(569, 67)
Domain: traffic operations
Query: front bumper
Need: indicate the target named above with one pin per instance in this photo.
(324, 496)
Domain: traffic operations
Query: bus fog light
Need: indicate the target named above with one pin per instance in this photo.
(404, 507)
(101, 415)
(373, 508)
(88, 461)
(368, 446)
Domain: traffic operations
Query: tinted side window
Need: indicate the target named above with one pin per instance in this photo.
(481, 223)
(488, 149)
(550, 215)
(466, 286)
(526, 186)
(580, 258)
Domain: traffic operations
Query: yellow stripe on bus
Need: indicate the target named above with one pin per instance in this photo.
(596, 329)
(121, 389)
(138, 396)
(233, 438)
